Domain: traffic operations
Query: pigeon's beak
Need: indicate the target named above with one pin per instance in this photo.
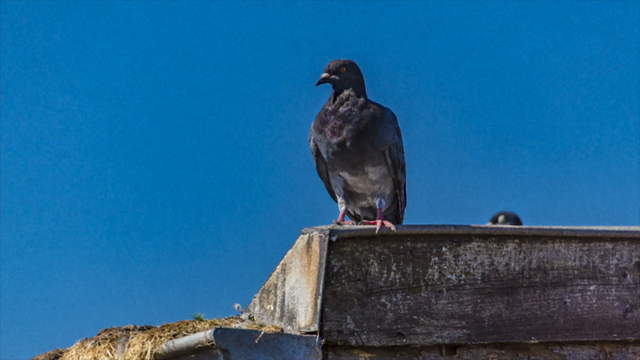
(324, 78)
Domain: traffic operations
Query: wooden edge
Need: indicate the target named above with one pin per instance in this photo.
(350, 231)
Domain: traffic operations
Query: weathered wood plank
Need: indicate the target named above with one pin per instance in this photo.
(567, 351)
(456, 288)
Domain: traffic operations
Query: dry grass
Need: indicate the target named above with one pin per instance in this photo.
(50, 355)
(141, 342)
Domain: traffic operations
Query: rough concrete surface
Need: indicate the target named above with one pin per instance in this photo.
(291, 296)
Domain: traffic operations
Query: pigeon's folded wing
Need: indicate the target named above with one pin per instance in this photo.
(394, 155)
(321, 167)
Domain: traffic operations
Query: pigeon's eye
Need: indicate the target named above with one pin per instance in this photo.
(342, 69)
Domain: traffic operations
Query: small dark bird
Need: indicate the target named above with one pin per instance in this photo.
(505, 218)
(357, 146)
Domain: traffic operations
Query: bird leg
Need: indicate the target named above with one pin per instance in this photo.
(343, 211)
(379, 221)
(340, 220)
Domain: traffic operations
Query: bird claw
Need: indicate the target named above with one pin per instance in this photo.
(380, 223)
(387, 224)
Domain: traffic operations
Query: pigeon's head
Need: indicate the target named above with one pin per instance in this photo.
(343, 75)
(505, 218)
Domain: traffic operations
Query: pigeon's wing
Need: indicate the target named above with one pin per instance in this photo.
(394, 155)
(321, 167)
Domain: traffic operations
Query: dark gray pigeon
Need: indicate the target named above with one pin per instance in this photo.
(505, 218)
(357, 147)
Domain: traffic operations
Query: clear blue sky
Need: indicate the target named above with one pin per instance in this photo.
(155, 160)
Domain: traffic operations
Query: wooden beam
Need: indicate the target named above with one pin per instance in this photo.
(471, 288)
(457, 285)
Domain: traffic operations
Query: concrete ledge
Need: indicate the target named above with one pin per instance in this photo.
(291, 296)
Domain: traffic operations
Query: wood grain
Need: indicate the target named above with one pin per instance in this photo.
(470, 289)
(554, 351)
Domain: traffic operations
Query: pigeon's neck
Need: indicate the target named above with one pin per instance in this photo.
(359, 91)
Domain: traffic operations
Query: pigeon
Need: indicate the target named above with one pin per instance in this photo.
(358, 152)
(505, 218)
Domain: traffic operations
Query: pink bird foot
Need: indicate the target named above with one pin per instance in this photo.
(341, 221)
(379, 223)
